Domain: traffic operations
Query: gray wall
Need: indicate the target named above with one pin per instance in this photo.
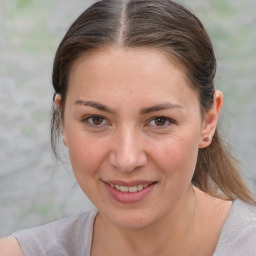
(34, 189)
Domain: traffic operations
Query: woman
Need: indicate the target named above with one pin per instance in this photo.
(136, 104)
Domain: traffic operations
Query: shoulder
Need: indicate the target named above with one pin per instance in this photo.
(238, 235)
(242, 216)
(9, 246)
(65, 237)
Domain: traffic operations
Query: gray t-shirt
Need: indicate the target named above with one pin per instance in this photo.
(73, 236)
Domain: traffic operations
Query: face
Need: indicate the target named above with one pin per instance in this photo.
(133, 126)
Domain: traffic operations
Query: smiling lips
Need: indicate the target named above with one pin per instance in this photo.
(129, 193)
(130, 189)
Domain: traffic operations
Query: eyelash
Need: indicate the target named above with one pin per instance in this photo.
(167, 121)
(87, 122)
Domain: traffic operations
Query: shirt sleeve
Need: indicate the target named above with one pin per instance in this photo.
(68, 237)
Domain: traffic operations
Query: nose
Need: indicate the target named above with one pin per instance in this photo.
(127, 153)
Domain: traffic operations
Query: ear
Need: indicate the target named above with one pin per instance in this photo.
(58, 103)
(210, 120)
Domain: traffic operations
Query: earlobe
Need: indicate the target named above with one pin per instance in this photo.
(211, 120)
(58, 103)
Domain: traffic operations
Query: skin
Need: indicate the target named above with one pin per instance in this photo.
(127, 144)
(9, 246)
(125, 140)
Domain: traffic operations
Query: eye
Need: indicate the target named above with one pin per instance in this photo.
(160, 121)
(95, 120)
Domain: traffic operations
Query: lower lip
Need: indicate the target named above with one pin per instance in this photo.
(127, 197)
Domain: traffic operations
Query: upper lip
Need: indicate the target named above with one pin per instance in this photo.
(128, 183)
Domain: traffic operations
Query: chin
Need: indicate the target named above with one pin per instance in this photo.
(131, 218)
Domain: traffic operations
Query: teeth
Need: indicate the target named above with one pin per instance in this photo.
(140, 187)
(131, 189)
(124, 189)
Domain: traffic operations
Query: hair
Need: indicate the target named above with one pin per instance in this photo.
(171, 28)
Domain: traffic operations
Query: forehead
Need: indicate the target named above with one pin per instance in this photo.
(127, 57)
(129, 70)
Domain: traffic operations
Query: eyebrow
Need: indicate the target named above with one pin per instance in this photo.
(143, 111)
(96, 105)
(160, 107)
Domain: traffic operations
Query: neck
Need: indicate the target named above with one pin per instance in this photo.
(170, 235)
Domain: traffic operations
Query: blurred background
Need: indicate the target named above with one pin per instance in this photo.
(34, 188)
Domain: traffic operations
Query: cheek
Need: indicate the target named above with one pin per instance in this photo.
(177, 156)
(86, 154)
(86, 159)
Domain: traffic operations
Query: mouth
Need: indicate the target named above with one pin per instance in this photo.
(129, 192)
(130, 189)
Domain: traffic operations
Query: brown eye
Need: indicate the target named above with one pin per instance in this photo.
(160, 121)
(97, 120)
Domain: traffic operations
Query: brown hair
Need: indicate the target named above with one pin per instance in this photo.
(169, 27)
